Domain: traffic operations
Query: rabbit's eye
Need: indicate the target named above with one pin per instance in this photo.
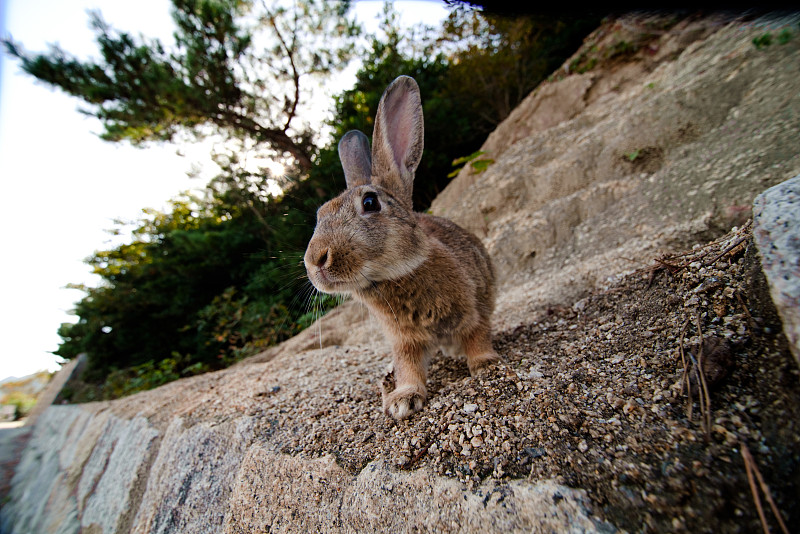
(370, 203)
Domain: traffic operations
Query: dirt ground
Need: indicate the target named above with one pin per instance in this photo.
(595, 396)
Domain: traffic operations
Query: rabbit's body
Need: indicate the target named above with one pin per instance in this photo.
(428, 281)
(463, 296)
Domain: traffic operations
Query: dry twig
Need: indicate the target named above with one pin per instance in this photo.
(670, 266)
(705, 398)
(685, 377)
(752, 473)
(727, 250)
(743, 236)
(750, 320)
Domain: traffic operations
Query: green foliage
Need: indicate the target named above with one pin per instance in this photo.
(633, 155)
(239, 326)
(23, 393)
(148, 375)
(319, 306)
(766, 39)
(762, 40)
(621, 48)
(218, 277)
(22, 402)
(478, 165)
(582, 64)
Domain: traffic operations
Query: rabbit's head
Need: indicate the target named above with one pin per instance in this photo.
(369, 233)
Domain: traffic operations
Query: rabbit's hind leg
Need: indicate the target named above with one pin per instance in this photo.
(479, 350)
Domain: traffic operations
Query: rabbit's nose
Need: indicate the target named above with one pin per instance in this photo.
(322, 258)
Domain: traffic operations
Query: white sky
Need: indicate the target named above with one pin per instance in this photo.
(61, 186)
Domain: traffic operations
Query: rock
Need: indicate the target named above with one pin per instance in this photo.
(39, 480)
(776, 230)
(194, 467)
(106, 491)
(82, 469)
(717, 360)
(13, 439)
(278, 493)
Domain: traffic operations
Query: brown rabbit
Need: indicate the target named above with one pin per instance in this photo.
(429, 282)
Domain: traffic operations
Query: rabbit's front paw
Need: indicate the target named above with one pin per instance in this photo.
(403, 402)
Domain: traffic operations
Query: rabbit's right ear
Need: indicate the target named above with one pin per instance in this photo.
(356, 160)
(398, 138)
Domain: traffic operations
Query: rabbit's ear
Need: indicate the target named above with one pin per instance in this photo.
(398, 138)
(356, 161)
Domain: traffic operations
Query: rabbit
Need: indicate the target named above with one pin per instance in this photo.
(429, 282)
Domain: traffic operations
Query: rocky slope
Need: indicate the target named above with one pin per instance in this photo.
(656, 136)
(645, 152)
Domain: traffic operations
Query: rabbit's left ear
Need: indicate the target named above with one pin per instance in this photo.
(398, 138)
(356, 161)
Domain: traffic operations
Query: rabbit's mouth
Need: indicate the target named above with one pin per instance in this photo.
(323, 281)
(325, 277)
(322, 278)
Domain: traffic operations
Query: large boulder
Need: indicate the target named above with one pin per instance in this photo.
(776, 214)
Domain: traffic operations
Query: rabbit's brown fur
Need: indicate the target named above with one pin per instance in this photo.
(428, 281)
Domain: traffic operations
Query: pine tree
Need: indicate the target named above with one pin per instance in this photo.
(238, 69)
